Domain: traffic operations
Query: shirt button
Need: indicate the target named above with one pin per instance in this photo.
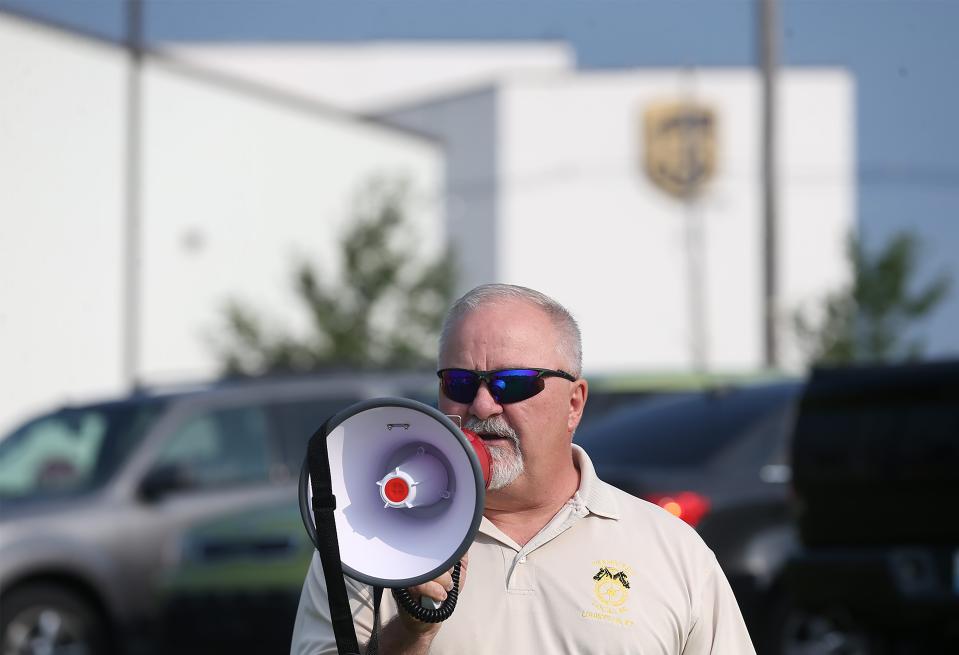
(522, 560)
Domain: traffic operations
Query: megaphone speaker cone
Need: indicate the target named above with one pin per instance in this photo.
(409, 491)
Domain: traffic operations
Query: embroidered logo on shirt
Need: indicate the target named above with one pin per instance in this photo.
(610, 591)
(604, 572)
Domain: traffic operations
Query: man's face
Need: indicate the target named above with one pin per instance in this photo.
(515, 334)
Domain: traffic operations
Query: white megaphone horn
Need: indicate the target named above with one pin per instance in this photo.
(406, 491)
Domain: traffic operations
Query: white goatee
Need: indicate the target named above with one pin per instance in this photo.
(507, 458)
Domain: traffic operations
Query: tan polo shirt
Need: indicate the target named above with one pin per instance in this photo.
(609, 574)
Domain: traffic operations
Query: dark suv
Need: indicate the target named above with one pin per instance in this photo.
(876, 461)
(165, 521)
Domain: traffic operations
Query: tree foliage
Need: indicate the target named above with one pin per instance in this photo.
(384, 309)
(867, 320)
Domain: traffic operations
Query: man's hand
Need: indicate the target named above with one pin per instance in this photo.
(436, 589)
(409, 636)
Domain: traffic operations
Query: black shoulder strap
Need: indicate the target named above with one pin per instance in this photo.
(374, 638)
(326, 544)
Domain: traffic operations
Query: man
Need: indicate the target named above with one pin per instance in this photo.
(563, 563)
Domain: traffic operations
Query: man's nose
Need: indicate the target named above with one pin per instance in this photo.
(484, 405)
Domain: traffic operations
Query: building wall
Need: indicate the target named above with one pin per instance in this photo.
(61, 214)
(468, 127)
(544, 165)
(818, 188)
(240, 189)
(237, 186)
(559, 194)
(376, 76)
(658, 283)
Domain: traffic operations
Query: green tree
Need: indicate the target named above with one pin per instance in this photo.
(384, 309)
(867, 320)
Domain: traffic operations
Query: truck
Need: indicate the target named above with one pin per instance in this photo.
(875, 479)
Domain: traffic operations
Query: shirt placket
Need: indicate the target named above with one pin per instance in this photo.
(520, 579)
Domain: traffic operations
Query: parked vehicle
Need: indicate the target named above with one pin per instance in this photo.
(718, 459)
(166, 521)
(876, 457)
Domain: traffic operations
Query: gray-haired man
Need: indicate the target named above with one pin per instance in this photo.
(563, 562)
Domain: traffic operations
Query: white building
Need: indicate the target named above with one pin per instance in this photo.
(538, 174)
(368, 76)
(547, 187)
(237, 183)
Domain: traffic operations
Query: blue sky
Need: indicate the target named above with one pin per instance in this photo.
(904, 55)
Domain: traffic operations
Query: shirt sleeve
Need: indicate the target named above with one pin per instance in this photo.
(313, 629)
(719, 628)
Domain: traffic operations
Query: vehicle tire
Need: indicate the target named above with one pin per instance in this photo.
(791, 630)
(47, 619)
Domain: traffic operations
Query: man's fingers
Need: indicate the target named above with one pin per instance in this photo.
(464, 564)
(439, 588)
(436, 589)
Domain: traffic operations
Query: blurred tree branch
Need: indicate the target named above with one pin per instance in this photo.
(867, 320)
(383, 310)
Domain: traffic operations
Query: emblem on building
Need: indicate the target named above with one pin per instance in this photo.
(679, 146)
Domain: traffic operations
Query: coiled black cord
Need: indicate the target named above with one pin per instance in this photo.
(405, 600)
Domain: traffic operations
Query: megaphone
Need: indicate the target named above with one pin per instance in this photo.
(409, 487)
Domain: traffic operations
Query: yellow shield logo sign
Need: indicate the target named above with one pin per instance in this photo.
(680, 146)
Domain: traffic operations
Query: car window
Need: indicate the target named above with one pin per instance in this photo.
(684, 430)
(71, 450)
(221, 447)
(296, 422)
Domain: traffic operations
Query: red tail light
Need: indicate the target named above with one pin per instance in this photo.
(687, 505)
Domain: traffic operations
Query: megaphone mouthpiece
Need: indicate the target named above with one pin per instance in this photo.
(482, 454)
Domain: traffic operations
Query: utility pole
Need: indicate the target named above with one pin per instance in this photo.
(695, 241)
(769, 56)
(132, 206)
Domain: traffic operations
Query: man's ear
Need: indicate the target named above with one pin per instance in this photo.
(577, 402)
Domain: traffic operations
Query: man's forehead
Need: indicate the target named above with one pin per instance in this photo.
(503, 317)
(508, 306)
(499, 329)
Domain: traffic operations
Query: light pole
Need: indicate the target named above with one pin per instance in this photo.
(132, 209)
(769, 57)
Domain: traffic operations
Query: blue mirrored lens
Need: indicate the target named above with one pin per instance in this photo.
(515, 385)
(460, 386)
(506, 386)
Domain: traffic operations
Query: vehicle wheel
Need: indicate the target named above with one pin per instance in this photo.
(793, 630)
(802, 632)
(45, 619)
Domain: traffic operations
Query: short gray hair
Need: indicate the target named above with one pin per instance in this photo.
(570, 342)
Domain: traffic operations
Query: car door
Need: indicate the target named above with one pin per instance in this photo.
(237, 581)
(208, 461)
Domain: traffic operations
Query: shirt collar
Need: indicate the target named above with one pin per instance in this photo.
(593, 497)
(595, 494)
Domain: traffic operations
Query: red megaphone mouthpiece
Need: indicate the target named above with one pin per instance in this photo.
(482, 454)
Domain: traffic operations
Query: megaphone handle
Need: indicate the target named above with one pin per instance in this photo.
(426, 614)
(430, 603)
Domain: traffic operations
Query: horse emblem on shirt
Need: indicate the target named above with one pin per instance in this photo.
(612, 587)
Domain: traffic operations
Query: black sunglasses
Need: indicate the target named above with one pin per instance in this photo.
(506, 385)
